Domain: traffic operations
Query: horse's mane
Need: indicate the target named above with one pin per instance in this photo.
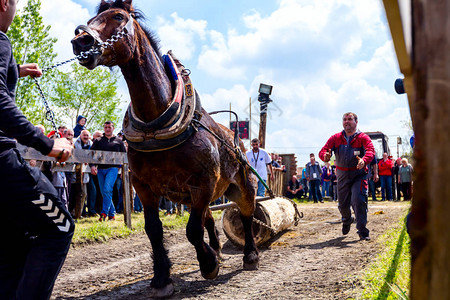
(137, 14)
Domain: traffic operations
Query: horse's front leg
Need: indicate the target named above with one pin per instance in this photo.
(206, 256)
(161, 283)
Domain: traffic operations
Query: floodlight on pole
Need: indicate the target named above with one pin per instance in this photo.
(264, 92)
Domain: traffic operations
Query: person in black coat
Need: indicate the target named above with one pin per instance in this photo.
(39, 229)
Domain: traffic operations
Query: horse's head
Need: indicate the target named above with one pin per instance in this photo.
(110, 32)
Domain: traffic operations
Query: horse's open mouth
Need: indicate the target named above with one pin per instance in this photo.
(89, 62)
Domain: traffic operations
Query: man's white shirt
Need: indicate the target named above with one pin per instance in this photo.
(259, 161)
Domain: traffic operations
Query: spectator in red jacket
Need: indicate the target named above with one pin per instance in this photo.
(385, 167)
(353, 151)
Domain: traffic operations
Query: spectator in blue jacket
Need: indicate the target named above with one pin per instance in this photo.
(81, 122)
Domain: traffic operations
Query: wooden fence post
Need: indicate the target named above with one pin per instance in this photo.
(126, 195)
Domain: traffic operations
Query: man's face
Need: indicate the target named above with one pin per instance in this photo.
(255, 146)
(68, 134)
(84, 136)
(10, 12)
(349, 123)
(108, 128)
(385, 156)
(312, 159)
(82, 122)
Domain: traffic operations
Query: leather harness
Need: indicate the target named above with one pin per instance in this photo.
(175, 125)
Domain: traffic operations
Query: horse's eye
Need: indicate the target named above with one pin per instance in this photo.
(118, 17)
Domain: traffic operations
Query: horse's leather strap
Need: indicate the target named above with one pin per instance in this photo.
(174, 128)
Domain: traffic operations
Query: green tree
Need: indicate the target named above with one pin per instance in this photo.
(92, 94)
(31, 42)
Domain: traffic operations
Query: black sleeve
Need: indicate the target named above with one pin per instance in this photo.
(122, 147)
(13, 123)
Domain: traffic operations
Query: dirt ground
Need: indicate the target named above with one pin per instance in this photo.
(311, 261)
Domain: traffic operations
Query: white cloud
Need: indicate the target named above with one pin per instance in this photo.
(63, 21)
(179, 35)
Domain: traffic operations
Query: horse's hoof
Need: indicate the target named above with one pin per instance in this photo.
(219, 256)
(212, 274)
(164, 292)
(251, 262)
(251, 266)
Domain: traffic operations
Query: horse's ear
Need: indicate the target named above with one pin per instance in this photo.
(127, 4)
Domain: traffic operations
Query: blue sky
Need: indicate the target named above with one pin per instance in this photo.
(322, 57)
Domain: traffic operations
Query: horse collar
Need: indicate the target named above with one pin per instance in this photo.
(172, 127)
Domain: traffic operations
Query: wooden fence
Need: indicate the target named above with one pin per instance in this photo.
(91, 157)
(279, 184)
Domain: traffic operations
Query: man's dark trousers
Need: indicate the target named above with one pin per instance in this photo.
(36, 230)
(352, 192)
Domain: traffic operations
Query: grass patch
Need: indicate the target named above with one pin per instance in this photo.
(389, 276)
(90, 230)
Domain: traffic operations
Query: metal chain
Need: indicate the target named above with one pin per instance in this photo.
(261, 223)
(298, 215)
(83, 55)
(49, 114)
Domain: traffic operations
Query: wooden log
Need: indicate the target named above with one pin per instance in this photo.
(232, 204)
(277, 213)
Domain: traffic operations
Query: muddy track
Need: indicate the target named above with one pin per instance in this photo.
(311, 261)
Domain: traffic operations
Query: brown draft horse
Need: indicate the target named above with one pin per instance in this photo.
(195, 172)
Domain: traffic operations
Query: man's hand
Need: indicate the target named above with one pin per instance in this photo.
(94, 170)
(272, 176)
(327, 156)
(32, 70)
(376, 177)
(61, 150)
(361, 164)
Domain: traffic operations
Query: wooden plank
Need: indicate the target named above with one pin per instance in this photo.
(79, 156)
(404, 53)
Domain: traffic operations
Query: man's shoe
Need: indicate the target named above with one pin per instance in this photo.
(102, 217)
(111, 218)
(321, 201)
(346, 227)
(364, 238)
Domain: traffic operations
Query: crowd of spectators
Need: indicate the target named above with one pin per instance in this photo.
(317, 182)
(85, 195)
(97, 191)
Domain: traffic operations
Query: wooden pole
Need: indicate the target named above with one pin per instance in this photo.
(430, 237)
(262, 124)
(126, 195)
(250, 118)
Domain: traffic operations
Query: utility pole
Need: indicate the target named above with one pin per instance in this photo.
(264, 92)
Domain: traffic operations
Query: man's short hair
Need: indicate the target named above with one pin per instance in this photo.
(312, 155)
(351, 113)
(255, 140)
(109, 123)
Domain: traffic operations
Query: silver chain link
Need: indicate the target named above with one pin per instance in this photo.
(261, 223)
(49, 114)
(83, 55)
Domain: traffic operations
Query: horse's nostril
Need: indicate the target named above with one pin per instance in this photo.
(85, 41)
